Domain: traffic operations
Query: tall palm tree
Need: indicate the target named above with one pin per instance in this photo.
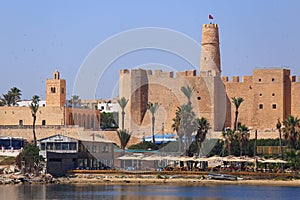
(124, 137)
(153, 107)
(16, 93)
(202, 129)
(243, 136)
(229, 137)
(188, 92)
(237, 102)
(176, 127)
(8, 99)
(291, 130)
(122, 103)
(187, 124)
(75, 101)
(278, 126)
(34, 106)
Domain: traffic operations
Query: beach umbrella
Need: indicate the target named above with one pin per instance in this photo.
(202, 159)
(127, 157)
(173, 158)
(185, 158)
(152, 158)
(272, 160)
(215, 158)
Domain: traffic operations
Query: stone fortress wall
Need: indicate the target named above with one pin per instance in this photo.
(269, 94)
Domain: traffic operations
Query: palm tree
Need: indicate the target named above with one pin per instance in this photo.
(107, 120)
(153, 107)
(237, 102)
(278, 126)
(188, 92)
(16, 93)
(229, 137)
(7, 99)
(124, 137)
(75, 101)
(187, 123)
(176, 127)
(202, 129)
(34, 106)
(291, 130)
(123, 102)
(243, 136)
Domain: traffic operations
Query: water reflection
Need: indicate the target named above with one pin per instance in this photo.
(145, 192)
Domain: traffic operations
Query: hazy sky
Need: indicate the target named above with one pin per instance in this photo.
(38, 37)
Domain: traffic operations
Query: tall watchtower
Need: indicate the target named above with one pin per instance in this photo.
(210, 51)
(55, 91)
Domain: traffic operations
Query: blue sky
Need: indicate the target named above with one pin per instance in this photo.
(38, 37)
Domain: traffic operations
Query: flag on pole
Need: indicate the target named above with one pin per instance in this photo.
(210, 17)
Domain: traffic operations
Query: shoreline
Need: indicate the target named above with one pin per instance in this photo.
(192, 181)
(126, 179)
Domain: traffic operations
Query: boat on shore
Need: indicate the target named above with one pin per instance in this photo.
(222, 177)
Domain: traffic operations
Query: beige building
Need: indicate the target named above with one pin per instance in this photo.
(52, 117)
(269, 94)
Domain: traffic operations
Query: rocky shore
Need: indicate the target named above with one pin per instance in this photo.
(18, 178)
(139, 179)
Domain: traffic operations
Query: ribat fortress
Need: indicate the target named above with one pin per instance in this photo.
(269, 94)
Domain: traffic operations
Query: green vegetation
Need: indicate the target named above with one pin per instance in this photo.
(11, 97)
(291, 130)
(107, 120)
(124, 137)
(202, 129)
(30, 157)
(75, 101)
(237, 102)
(122, 103)
(34, 106)
(144, 146)
(153, 107)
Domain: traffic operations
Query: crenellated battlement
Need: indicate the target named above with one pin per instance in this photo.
(210, 26)
(295, 79)
(160, 73)
(236, 79)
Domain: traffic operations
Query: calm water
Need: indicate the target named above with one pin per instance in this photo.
(146, 192)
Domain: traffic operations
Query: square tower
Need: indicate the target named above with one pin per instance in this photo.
(55, 91)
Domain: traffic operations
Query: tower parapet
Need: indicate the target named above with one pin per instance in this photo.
(210, 51)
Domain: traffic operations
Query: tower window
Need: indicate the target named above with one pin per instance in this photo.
(43, 122)
(273, 94)
(260, 94)
(198, 98)
(259, 80)
(53, 90)
(261, 106)
(20, 122)
(273, 79)
(62, 90)
(274, 106)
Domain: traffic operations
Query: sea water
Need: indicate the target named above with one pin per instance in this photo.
(146, 192)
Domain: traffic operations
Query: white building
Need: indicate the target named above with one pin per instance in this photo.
(26, 103)
(108, 107)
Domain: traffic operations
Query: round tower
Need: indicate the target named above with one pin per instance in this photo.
(210, 51)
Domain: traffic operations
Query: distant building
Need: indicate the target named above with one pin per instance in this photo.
(63, 153)
(108, 106)
(52, 113)
(26, 103)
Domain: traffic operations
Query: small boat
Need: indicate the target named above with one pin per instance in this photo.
(222, 177)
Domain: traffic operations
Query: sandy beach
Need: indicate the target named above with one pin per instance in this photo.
(179, 180)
